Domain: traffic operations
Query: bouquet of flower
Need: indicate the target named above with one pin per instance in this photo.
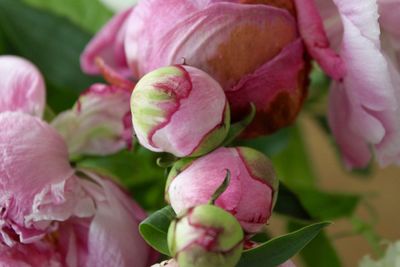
(167, 130)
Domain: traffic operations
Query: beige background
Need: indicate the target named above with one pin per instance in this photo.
(382, 190)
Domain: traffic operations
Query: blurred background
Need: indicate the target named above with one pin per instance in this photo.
(380, 188)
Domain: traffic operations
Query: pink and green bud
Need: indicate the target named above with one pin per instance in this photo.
(180, 110)
(250, 195)
(206, 236)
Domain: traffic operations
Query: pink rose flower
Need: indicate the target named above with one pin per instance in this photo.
(251, 193)
(49, 216)
(21, 86)
(253, 48)
(180, 110)
(364, 103)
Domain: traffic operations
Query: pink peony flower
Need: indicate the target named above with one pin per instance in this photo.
(364, 104)
(38, 186)
(51, 216)
(250, 196)
(21, 86)
(251, 47)
(99, 123)
(180, 110)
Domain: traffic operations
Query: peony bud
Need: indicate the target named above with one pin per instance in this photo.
(206, 236)
(250, 196)
(180, 110)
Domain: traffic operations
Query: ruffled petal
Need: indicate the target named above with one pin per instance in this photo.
(99, 123)
(108, 44)
(368, 91)
(37, 183)
(22, 86)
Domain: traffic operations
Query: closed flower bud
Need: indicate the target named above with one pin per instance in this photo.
(180, 110)
(250, 195)
(206, 236)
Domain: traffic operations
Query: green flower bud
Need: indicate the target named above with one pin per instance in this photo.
(206, 236)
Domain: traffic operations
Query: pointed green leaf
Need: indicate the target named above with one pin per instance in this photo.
(155, 229)
(278, 250)
(319, 252)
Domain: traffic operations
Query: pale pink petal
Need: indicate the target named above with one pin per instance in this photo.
(312, 30)
(368, 90)
(99, 123)
(113, 237)
(33, 255)
(22, 86)
(108, 44)
(37, 182)
(355, 151)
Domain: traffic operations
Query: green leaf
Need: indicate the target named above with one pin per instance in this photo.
(155, 229)
(88, 14)
(50, 42)
(237, 128)
(292, 164)
(319, 252)
(326, 205)
(271, 144)
(278, 250)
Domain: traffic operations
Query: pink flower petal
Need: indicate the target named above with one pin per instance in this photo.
(37, 183)
(97, 124)
(276, 88)
(368, 92)
(204, 35)
(21, 86)
(314, 36)
(355, 150)
(108, 45)
(113, 237)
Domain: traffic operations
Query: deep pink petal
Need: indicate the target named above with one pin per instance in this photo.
(275, 88)
(108, 44)
(22, 86)
(246, 197)
(97, 124)
(314, 36)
